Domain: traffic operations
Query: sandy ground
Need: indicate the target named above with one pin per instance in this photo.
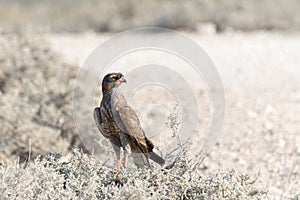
(261, 75)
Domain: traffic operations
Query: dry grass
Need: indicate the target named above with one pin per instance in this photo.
(36, 90)
(36, 117)
(83, 177)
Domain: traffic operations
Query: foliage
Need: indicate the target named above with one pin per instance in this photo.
(35, 100)
(83, 177)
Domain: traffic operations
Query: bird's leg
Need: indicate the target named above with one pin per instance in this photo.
(118, 154)
(125, 159)
(118, 167)
(126, 148)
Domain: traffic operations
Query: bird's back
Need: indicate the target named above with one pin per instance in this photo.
(120, 122)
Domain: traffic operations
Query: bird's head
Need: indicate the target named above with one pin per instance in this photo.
(111, 81)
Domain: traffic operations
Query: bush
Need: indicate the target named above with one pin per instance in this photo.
(35, 98)
(83, 177)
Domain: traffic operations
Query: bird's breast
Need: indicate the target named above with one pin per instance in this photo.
(109, 126)
(111, 129)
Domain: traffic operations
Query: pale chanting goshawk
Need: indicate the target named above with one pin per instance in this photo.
(118, 122)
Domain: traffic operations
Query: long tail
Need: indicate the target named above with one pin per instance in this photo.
(156, 158)
(139, 154)
(153, 156)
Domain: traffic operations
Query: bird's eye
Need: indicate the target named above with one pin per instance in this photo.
(114, 78)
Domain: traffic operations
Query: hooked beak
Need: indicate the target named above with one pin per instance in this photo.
(122, 80)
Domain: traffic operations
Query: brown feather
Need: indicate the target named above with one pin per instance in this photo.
(118, 122)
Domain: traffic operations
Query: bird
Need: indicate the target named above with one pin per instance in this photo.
(118, 122)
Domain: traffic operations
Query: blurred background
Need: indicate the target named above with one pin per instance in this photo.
(114, 16)
(254, 44)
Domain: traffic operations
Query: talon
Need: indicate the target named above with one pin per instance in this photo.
(118, 180)
(119, 176)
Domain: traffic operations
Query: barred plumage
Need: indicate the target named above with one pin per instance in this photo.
(117, 121)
